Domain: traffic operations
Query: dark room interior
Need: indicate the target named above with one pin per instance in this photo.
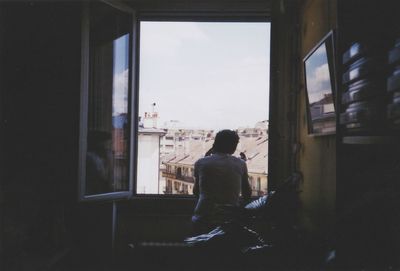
(341, 211)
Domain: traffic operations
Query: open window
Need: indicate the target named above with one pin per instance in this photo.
(152, 103)
(105, 131)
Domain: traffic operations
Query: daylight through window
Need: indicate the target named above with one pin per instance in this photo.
(195, 79)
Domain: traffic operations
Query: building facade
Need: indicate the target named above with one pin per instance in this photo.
(177, 168)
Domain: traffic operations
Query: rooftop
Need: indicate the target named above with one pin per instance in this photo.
(255, 148)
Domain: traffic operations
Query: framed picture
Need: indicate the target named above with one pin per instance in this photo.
(319, 73)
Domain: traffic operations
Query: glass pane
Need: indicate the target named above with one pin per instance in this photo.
(107, 157)
(319, 91)
(197, 78)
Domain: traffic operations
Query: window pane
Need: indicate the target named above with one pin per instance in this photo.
(197, 78)
(108, 121)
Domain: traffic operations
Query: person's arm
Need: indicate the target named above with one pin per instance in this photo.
(196, 188)
(246, 188)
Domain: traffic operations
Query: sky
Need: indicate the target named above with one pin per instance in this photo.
(121, 76)
(205, 75)
(318, 78)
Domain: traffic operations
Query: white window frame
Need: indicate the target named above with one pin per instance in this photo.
(84, 99)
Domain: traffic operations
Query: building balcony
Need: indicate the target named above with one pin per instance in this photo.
(186, 179)
(168, 190)
(168, 174)
(175, 176)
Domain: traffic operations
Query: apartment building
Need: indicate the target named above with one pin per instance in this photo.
(178, 167)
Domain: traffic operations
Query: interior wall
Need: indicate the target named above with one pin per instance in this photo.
(317, 156)
(153, 220)
(40, 218)
(282, 123)
(1, 129)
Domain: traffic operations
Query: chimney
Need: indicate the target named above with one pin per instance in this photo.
(150, 118)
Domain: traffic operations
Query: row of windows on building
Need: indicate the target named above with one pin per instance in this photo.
(180, 180)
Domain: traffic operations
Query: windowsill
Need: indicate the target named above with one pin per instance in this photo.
(163, 197)
(174, 197)
(112, 196)
(125, 196)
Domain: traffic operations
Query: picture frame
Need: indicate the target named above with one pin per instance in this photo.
(320, 86)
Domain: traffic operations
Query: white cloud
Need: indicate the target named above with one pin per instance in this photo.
(322, 73)
(316, 80)
(228, 95)
(120, 92)
(205, 77)
(166, 39)
(252, 60)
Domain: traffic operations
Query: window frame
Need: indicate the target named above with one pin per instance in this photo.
(139, 16)
(84, 102)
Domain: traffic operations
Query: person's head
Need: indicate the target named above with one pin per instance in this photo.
(226, 141)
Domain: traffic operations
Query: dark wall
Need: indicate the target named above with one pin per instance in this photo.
(41, 218)
(152, 220)
(40, 118)
(283, 83)
(317, 157)
(1, 127)
(368, 191)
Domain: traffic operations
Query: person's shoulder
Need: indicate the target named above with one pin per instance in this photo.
(239, 161)
(202, 160)
(207, 160)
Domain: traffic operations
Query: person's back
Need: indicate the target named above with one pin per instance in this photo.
(219, 180)
(220, 176)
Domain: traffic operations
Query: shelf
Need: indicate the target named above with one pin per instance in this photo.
(371, 140)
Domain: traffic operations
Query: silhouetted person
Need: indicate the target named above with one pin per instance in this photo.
(219, 180)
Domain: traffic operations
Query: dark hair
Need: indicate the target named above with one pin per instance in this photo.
(226, 141)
